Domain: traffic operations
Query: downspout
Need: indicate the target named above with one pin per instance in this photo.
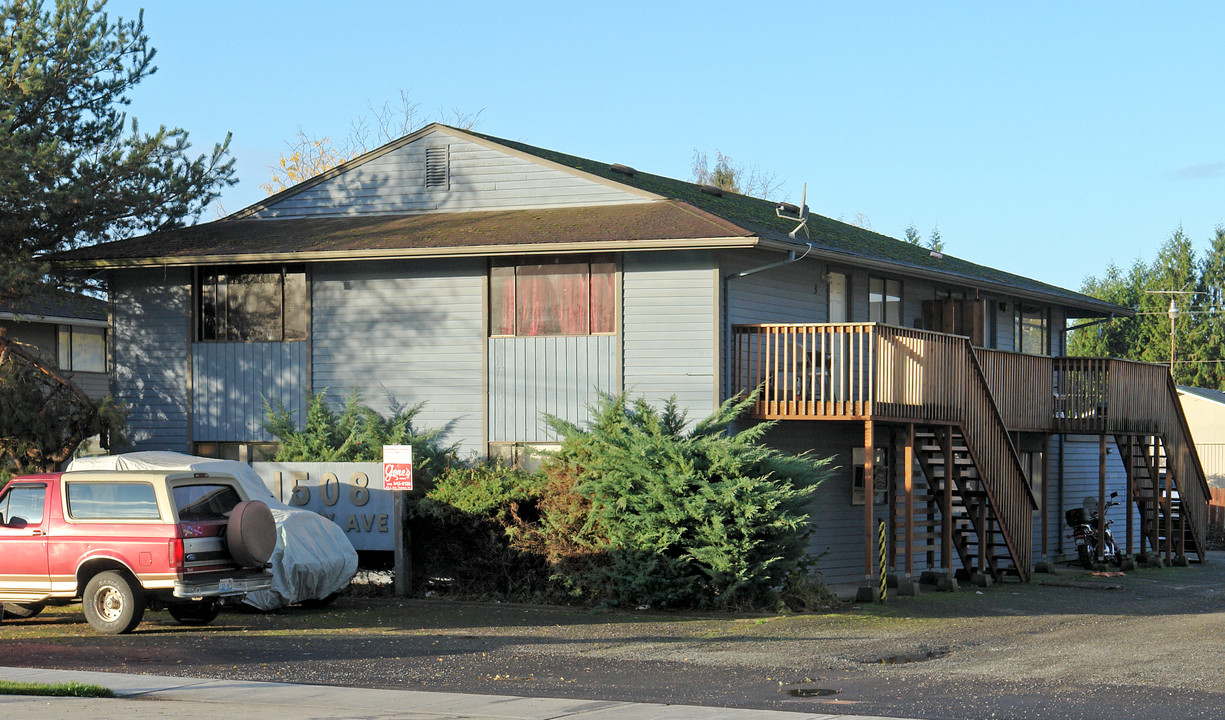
(725, 309)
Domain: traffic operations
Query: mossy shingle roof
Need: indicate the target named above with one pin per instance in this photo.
(687, 213)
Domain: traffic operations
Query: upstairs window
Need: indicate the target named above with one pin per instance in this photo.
(1030, 330)
(81, 349)
(252, 304)
(567, 296)
(885, 301)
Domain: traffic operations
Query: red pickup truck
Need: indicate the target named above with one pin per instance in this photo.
(122, 541)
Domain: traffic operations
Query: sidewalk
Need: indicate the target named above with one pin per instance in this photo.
(155, 696)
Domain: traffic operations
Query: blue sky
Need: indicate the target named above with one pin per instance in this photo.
(1047, 139)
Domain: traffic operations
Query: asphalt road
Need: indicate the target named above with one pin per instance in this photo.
(1149, 645)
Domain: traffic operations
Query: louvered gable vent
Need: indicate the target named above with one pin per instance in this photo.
(437, 168)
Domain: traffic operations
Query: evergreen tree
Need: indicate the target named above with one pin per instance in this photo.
(73, 168)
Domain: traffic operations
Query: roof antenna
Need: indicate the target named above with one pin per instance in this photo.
(798, 214)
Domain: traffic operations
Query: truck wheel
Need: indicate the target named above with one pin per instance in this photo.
(195, 613)
(251, 534)
(23, 610)
(114, 604)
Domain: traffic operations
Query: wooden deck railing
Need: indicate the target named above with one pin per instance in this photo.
(805, 371)
(1023, 387)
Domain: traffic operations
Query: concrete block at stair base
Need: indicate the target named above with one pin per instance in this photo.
(981, 580)
(1044, 566)
(1180, 560)
(907, 588)
(1152, 561)
(1127, 564)
(947, 584)
(866, 594)
(932, 577)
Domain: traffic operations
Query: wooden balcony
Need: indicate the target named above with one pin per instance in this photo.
(874, 372)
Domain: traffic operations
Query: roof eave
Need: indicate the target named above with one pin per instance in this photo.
(1096, 309)
(715, 243)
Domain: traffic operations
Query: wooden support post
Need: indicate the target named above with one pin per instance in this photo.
(1101, 497)
(946, 540)
(1150, 463)
(869, 527)
(1169, 509)
(1129, 467)
(402, 538)
(895, 449)
(908, 459)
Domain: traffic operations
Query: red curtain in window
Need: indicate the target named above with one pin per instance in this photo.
(551, 299)
(603, 297)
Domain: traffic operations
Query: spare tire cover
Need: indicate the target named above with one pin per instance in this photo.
(251, 533)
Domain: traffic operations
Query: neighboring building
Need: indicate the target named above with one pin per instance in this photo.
(1205, 411)
(496, 281)
(67, 330)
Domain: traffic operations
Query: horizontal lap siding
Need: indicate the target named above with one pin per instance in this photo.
(412, 331)
(837, 538)
(669, 329)
(532, 376)
(480, 179)
(150, 352)
(232, 381)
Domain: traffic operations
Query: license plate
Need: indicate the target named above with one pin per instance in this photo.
(230, 585)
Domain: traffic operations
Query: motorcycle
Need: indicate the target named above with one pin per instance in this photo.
(1084, 531)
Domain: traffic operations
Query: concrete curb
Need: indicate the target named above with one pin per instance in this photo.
(200, 697)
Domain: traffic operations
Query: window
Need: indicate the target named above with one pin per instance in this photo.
(880, 476)
(23, 506)
(204, 502)
(81, 349)
(885, 301)
(240, 451)
(569, 296)
(112, 501)
(1030, 330)
(252, 304)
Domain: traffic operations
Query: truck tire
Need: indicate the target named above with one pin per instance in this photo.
(195, 613)
(114, 603)
(251, 534)
(23, 610)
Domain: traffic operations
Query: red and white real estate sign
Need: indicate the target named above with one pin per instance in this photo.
(398, 467)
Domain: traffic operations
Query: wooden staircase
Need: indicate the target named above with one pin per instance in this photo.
(960, 498)
(1164, 526)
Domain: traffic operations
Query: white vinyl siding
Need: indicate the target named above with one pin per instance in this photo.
(669, 320)
(479, 178)
(412, 331)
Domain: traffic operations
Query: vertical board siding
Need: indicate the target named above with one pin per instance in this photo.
(1080, 480)
(669, 333)
(232, 381)
(409, 331)
(149, 346)
(480, 179)
(532, 376)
